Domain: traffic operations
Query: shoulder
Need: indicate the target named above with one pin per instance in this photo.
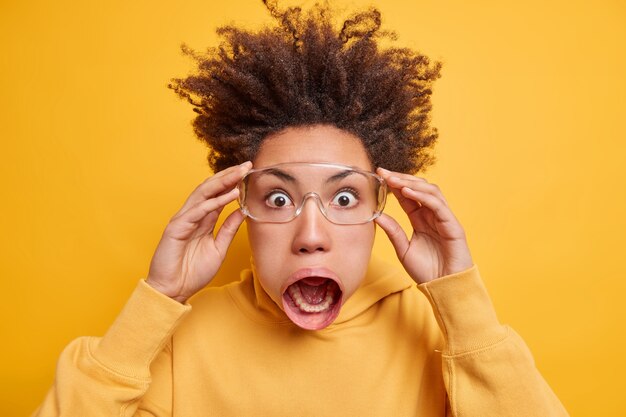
(399, 299)
(212, 299)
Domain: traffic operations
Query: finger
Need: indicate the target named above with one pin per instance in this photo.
(212, 216)
(200, 218)
(385, 173)
(216, 184)
(397, 180)
(207, 224)
(396, 234)
(415, 183)
(441, 210)
(228, 230)
(409, 205)
(204, 208)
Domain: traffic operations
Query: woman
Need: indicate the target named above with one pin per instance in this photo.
(300, 120)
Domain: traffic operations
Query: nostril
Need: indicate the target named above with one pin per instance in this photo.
(318, 249)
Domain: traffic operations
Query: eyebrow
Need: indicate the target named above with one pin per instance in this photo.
(340, 176)
(283, 175)
(278, 173)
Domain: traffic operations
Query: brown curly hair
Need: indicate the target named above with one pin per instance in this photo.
(304, 71)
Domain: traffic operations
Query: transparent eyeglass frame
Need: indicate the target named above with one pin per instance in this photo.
(381, 197)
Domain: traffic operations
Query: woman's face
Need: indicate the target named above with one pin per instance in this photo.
(310, 266)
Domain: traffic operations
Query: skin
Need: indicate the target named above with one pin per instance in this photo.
(191, 251)
(311, 241)
(438, 245)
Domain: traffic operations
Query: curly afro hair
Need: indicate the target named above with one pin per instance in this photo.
(304, 71)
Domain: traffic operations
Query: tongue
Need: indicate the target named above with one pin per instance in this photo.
(312, 303)
(313, 294)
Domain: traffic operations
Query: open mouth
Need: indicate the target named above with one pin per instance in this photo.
(312, 302)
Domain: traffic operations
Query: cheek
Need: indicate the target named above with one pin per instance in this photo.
(266, 243)
(268, 247)
(355, 249)
(348, 254)
(356, 243)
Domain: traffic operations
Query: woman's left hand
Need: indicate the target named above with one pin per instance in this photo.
(438, 246)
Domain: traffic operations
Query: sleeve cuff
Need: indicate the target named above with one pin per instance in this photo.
(140, 332)
(464, 311)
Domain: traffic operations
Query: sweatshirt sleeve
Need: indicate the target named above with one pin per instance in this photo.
(108, 376)
(488, 369)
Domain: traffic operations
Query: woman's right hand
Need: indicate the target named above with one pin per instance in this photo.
(189, 255)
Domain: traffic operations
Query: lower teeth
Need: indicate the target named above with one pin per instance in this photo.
(298, 299)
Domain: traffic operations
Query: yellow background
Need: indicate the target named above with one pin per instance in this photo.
(97, 155)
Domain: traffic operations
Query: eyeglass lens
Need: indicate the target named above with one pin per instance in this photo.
(276, 194)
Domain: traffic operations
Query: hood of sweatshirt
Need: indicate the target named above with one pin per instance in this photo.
(381, 280)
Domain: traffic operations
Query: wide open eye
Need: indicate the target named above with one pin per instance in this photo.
(345, 199)
(278, 199)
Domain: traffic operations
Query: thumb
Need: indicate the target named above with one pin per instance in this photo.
(228, 230)
(395, 233)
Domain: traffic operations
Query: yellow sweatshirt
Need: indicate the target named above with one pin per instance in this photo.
(233, 352)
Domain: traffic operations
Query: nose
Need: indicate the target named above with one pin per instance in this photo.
(312, 234)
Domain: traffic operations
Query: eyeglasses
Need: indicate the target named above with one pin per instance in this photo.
(344, 194)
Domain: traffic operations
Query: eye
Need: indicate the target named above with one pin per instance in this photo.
(346, 199)
(277, 199)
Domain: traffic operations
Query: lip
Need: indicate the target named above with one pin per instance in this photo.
(312, 272)
(323, 320)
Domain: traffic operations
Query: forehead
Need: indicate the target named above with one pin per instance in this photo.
(313, 144)
(310, 173)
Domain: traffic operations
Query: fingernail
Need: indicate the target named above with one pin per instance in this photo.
(243, 164)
